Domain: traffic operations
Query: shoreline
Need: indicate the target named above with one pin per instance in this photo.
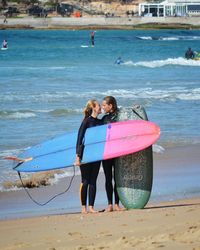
(98, 23)
(176, 177)
(169, 225)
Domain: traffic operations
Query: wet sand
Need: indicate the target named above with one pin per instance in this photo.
(176, 176)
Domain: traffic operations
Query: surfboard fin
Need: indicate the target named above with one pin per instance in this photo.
(15, 158)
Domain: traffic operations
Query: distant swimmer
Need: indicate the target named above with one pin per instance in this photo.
(189, 54)
(92, 37)
(119, 61)
(5, 44)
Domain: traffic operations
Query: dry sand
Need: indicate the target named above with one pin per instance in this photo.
(172, 225)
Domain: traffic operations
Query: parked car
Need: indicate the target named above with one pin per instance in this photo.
(11, 11)
(37, 11)
(65, 9)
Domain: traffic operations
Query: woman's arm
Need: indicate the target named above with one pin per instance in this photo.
(81, 134)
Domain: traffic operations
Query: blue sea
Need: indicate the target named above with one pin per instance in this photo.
(47, 76)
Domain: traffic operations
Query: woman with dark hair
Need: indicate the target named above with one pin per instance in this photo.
(89, 171)
(109, 106)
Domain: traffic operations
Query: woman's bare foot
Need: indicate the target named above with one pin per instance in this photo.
(91, 209)
(118, 208)
(84, 210)
(109, 208)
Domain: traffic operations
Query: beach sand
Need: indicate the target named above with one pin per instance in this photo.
(167, 222)
(171, 225)
(95, 23)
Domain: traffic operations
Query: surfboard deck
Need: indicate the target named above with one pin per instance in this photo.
(134, 172)
(101, 142)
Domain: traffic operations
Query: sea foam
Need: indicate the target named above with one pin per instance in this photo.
(180, 61)
(169, 38)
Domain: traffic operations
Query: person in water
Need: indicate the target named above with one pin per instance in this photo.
(189, 54)
(92, 38)
(89, 171)
(5, 44)
(109, 106)
(119, 61)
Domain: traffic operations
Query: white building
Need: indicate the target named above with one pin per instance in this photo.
(170, 8)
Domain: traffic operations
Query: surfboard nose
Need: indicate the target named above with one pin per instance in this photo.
(157, 130)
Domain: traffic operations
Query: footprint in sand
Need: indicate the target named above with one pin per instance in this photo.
(192, 229)
(74, 234)
(124, 240)
(190, 210)
(106, 233)
(172, 237)
(157, 244)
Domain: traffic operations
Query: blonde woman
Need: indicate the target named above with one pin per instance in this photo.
(89, 171)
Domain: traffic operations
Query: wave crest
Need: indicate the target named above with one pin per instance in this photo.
(21, 114)
(25, 114)
(169, 38)
(180, 61)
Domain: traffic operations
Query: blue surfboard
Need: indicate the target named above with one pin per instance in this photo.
(101, 142)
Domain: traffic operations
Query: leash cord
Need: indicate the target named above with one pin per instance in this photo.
(45, 203)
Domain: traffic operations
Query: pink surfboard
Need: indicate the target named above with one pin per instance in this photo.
(131, 136)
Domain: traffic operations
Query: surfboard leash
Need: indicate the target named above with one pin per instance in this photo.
(55, 196)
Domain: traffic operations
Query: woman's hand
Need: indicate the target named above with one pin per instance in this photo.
(77, 161)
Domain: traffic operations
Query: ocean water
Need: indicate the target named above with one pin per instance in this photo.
(46, 77)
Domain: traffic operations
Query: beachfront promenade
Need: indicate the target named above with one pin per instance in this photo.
(62, 22)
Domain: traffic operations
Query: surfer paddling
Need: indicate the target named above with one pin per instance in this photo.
(189, 54)
(89, 171)
(5, 44)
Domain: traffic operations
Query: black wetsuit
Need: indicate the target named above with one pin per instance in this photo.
(92, 38)
(89, 171)
(109, 166)
(189, 54)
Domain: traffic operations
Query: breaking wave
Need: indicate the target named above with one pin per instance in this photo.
(147, 94)
(18, 114)
(169, 38)
(25, 114)
(180, 61)
(32, 68)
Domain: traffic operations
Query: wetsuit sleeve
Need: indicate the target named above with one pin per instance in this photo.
(81, 134)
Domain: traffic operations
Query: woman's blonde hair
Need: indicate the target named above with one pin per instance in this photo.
(88, 108)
